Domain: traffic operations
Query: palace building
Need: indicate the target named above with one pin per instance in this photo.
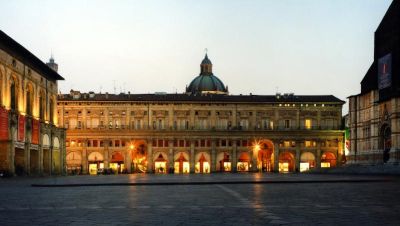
(375, 112)
(202, 130)
(30, 140)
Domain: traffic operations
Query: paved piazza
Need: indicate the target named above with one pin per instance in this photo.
(275, 199)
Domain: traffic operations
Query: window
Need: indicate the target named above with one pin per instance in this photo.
(287, 124)
(307, 123)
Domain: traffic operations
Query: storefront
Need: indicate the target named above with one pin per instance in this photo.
(307, 161)
(160, 164)
(74, 163)
(96, 162)
(202, 163)
(117, 163)
(243, 163)
(328, 159)
(224, 163)
(286, 162)
(181, 164)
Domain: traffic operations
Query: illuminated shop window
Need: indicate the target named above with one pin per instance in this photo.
(202, 167)
(242, 166)
(227, 166)
(181, 167)
(325, 164)
(93, 169)
(284, 167)
(304, 166)
(160, 167)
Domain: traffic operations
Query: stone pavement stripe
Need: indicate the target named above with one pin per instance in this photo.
(259, 209)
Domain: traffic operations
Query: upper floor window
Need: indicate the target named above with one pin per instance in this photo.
(287, 124)
(308, 123)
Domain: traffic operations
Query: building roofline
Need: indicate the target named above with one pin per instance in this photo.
(19, 52)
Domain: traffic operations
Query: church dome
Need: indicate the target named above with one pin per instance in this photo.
(206, 82)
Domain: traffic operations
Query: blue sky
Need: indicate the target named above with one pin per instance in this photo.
(301, 46)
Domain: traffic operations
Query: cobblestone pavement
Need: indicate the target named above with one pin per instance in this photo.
(339, 203)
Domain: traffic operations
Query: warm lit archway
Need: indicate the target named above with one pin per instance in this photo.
(74, 162)
(307, 161)
(243, 163)
(224, 162)
(265, 155)
(328, 159)
(181, 164)
(117, 162)
(95, 161)
(286, 162)
(160, 163)
(202, 163)
(139, 156)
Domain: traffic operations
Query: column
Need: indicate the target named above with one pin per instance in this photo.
(171, 156)
(276, 156)
(253, 161)
(128, 160)
(27, 156)
(234, 156)
(84, 160)
(40, 158)
(340, 152)
(213, 156)
(318, 157)
(149, 156)
(192, 157)
(297, 160)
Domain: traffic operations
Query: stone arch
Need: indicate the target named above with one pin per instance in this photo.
(224, 161)
(56, 143)
(202, 162)
(42, 104)
(160, 160)
(307, 161)
(74, 158)
(265, 155)
(14, 91)
(45, 140)
(286, 162)
(95, 156)
(385, 140)
(138, 156)
(29, 98)
(328, 159)
(181, 162)
(243, 162)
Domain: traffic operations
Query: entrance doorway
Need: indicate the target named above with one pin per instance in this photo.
(265, 156)
(19, 161)
(160, 164)
(181, 164)
(34, 162)
(307, 161)
(286, 162)
(243, 163)
(224, 162)
(386, 141)
(328, 159)
(202, 163)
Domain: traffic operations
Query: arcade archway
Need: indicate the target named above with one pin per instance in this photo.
(224, 162)
(139, 159)
(265, 156)
(202, 163)
(243, 164)
(307, 161)
(328, 159)
(286, 162)
(181, 164)
(95, 161)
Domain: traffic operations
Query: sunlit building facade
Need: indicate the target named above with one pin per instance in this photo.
(203, 130)
(375, 112)
(30, 140)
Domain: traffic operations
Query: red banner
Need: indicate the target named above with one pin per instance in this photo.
(21, 128)
(35, 131)
(3, 124)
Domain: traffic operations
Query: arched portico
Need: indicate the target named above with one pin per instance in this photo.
(265, 155)
(224, 163)
(307, 161)
(328, 159)
(243, 163)
(286, 162)
(181, 164)
(95, 161)
(160, 162)
(202, 163)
